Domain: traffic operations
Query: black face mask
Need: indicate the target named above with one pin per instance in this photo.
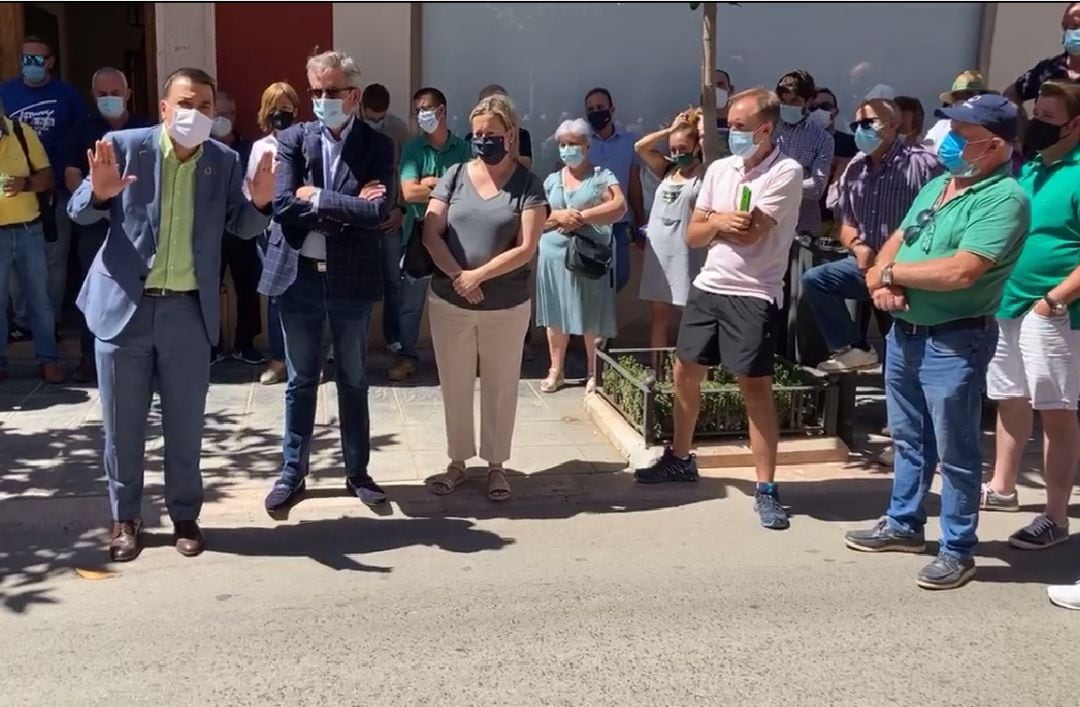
(491, 150)
(599, 119)
(1039, 136)
(281, 119)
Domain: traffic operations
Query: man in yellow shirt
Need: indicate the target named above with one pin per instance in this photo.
(24, 171)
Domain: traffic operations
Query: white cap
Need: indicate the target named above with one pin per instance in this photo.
(881, 91)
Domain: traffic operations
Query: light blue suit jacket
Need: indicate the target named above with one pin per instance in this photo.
(114, 286)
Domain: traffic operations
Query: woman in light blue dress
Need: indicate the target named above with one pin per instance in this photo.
(585, 201)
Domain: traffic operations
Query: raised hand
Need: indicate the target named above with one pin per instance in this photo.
(261, 184)
(105, 179)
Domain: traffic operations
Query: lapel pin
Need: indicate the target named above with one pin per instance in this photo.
(208, 171)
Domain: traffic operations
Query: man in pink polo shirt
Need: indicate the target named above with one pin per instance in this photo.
(746, 216)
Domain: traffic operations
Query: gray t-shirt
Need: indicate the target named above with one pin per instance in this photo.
(479, 229)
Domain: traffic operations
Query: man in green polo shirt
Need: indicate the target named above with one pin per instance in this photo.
(1037, 363)
(941, 275)
(424, 159)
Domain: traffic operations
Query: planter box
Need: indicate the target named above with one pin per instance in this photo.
(807, 401)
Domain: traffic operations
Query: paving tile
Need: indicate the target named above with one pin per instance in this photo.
(533, 433)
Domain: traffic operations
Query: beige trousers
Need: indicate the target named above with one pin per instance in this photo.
(459, 336)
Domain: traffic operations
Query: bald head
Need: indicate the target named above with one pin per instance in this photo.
(106, 81)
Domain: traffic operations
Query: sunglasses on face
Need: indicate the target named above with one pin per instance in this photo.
(866, 124)
(823, 106)
(34, 59)
(328, 92)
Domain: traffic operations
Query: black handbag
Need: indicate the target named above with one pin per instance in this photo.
(587, 257)
(417, 262)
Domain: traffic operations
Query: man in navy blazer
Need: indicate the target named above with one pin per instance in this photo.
(151, 297)
(333, 180)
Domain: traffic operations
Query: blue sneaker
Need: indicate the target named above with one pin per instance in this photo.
(284, 495)
(668, 468)
(769, 509)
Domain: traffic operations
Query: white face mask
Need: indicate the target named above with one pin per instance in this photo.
(189, 128)
(721, 97)
(428, 121)
(221, 127)
(821, 118)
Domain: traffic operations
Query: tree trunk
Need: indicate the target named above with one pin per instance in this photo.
(711, 147)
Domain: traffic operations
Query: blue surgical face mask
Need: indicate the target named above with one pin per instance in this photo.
(428, 121)
(33, 73)
(330, 112)
(375, 124)
(571, 155)
(867, 140)
(951, 154)
(791, 114)
(110, 106)
(741, 142)
(1071, 42)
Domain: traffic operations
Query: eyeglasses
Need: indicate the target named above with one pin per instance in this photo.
(915, 230)
(865, 124)
(328, 92)
(34, 59)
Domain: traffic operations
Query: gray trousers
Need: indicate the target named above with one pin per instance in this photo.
(164, 344)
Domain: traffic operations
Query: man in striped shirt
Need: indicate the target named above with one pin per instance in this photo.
(876, 191)
(807, 143)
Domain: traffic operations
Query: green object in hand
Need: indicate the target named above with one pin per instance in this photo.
(744, 200)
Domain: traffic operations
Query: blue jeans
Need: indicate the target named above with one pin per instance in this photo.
(22, 250)
(934, 386)
(827, 287)
(413, 295)
(391, 314)
(620, 234)
(305, 307)
(56, 265)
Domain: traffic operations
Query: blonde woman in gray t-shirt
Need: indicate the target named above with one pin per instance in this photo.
(482, 227)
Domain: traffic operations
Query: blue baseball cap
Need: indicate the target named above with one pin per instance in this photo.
(992, 111)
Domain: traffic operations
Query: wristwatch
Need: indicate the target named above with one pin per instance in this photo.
(886, 275)
(1056, 308)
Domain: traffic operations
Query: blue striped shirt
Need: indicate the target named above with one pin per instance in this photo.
(812, 147)
(875, 200)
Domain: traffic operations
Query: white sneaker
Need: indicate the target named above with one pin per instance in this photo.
(1067, 596)
(850, 360)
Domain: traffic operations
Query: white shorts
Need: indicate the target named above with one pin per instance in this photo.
(1037, 358)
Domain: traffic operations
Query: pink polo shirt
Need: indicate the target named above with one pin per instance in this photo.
(755, 270)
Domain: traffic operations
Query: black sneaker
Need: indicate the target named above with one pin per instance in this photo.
(946, 572)
(16, 334)
(1039, 535)
(216, 356)
(284, 495)
(882, 538)
(250, 355)
(668, 468)
(769, 509)
(365, 488)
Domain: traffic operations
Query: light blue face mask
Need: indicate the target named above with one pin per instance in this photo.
(867, 140)
(330, 112)
(428, 121)
(571, 155)
(1071, 42)
(110, 106)
(741, 143)
(791, 114)
(33, 73)
(951, 154)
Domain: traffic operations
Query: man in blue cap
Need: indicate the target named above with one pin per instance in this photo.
(941, 275)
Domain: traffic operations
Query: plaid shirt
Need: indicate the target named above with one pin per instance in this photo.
(875, 201)
(811, 147)
(1055, 67)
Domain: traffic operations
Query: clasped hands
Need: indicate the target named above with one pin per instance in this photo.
(887, 298)
(567, 220)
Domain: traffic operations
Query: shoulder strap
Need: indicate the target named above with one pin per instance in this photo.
(17, 128)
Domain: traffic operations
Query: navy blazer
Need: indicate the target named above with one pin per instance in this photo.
(113, 288)
(353, 239)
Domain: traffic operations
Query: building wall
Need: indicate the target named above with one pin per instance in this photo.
(185, 36)
(1023, 33)
(379, 37)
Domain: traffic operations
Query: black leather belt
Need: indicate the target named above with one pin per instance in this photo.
(165, 292)
(22, 224)
(312, 264)
(910, 329)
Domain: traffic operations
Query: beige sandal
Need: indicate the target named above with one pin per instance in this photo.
(446, 484)
(498, 486)
(554, 381)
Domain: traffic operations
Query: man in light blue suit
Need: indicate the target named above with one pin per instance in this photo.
(151, 297)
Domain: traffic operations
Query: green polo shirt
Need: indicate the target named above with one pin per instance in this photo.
(989, 219)
(420, 159)
(1052, 248)
(174, 264)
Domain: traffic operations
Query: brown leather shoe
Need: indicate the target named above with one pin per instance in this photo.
(126, 543)
(189, 538)
(52, 373)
